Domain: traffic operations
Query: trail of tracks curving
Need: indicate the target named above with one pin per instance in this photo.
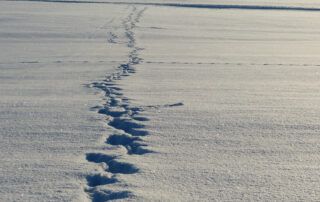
(123, 118)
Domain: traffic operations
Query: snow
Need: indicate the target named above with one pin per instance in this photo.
(48, 54)
(248, 127)
(159, 103)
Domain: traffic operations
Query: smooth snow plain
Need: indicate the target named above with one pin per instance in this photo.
(157, 103)
(49, 53)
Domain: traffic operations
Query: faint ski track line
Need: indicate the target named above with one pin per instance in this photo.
(61, 61)
(231, 63)
(162, 62)
(186, 5)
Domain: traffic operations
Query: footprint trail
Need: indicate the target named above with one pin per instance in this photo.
(122, 117)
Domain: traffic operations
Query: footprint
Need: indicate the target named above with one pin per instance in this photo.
(128, 126)
(120, 116)
(140, 118)
(122, 139)
(99, 158)
(113, 165)
(132, 144)
(113, 111)
(121, 167)
(107, 195)
(100, 179)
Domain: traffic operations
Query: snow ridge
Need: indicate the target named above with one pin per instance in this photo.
(122, 118)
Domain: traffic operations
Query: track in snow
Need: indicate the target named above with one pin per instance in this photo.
(122, 117)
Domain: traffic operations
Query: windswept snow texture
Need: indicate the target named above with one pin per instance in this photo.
(248, 129)
(242, 4)
(48, 53)
(146, 101)
(209, 5)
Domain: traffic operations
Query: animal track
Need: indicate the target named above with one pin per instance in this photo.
(120, 167)
(112, 37)
(113, 111)
(120, 116)
(128, 126)
(99, 157)
(140, 118)
(113, 166)
(123, 118)
(122, 139)
(106, 195)
(100, 179)
(133, 145)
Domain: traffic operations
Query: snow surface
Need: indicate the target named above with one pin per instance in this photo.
(159, 103)
(49, 52)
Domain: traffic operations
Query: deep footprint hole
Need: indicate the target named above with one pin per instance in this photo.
(121, 139)
(99, 158)
(106, 195)
(121, 167)
(100, 179)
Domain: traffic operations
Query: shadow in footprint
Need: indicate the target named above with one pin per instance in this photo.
(113, 165)
(100, 179)
(106, 195)
(132, 144)
(140, 118)
(128, 126)
(99, 158)
(121, 139)
(113, 113)
(121, 167)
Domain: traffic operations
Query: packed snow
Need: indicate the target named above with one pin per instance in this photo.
(159, 100)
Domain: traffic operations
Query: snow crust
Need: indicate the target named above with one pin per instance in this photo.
(155, 102)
